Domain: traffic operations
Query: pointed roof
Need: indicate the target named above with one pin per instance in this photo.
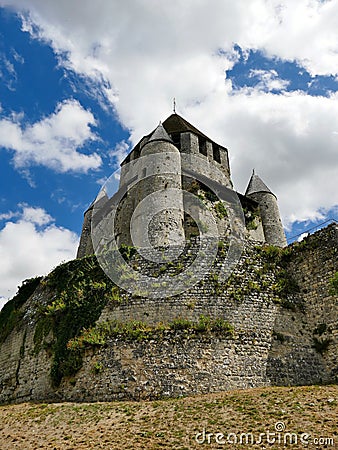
(159, 134)
(256, 184)
(173, 124)
(176, 124)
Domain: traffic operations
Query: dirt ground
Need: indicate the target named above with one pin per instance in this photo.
(266, 418)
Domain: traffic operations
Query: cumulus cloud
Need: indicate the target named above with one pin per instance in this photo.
(31, 245)
(268, 80)
(36, 216)
(140, 54)
(53, 141)
(288, 139)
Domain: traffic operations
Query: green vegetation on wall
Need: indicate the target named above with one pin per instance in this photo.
(285, 287)
(334, 284)
(11, 313)
(136, 330)
(220, 210)
(251, 217)
(81, 292)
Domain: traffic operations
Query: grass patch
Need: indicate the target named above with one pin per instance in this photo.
(137, 330)
(172, 423)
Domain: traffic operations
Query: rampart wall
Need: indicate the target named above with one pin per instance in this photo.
(282, 331)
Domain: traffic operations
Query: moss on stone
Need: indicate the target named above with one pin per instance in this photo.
(11, 314)
(81, 291)
(137, 330)
(334, 284)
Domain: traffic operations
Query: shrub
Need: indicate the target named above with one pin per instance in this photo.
(272, 253)
(321, 345)
(180, 324)
(220, 210)
(127, 252)
(286, 284)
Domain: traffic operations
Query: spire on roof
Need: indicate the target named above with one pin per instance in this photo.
(256, 184)
(160, 135)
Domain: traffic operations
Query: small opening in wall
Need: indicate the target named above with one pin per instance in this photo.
(202, 146)
(216, 153)
(144, 172)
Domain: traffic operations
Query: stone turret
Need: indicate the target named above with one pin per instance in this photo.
(269, 211)
(86, 243)
(159, 203)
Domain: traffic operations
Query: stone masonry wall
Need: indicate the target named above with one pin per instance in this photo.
(276, 339)
(305, 345)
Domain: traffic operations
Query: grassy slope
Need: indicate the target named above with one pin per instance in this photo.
(172, 424)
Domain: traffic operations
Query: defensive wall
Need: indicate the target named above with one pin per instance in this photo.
(273, 321)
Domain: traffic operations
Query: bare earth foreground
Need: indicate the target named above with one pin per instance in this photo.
(259, 418)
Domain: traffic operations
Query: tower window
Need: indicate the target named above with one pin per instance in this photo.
(202, 146)
(216, 153)
(176, 137)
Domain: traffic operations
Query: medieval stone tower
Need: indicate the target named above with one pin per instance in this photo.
(182, 296)
(154, 176)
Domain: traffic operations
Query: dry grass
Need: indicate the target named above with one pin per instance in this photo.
(173, 424)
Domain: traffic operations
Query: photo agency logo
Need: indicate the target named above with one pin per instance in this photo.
(144, 207)
(279, 436)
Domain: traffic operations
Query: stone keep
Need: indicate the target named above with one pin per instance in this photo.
(277, 310)
(155, 202)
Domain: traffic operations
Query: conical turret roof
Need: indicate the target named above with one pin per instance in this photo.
(160, 134)
(256, 184)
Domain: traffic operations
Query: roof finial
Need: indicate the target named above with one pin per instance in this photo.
(253, 172)
(174, 105)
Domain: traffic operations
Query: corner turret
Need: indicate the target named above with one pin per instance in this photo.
(269, 211)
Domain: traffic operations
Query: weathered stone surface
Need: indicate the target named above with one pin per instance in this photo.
(272, 344)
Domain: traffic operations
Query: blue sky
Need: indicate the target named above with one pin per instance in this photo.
(81, 84)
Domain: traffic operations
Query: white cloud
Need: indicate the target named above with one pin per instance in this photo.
(120, 151)
(31, 246)
(269, 80)
(8, 74)
(141, 54)
(288, 139)
(37, 216)
(8, 215)
(17, 57)
(302, 236)
(54, 141)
